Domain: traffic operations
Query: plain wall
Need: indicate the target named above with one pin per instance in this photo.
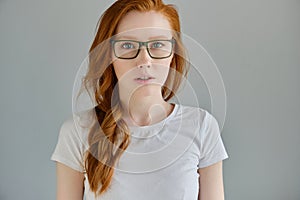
(255, 45)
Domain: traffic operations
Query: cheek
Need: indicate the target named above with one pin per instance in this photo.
(166, 63)
(117, 69)
(163, 70)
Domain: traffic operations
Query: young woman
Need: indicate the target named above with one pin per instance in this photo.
(140, 146)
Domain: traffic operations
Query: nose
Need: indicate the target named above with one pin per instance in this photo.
(143, 59)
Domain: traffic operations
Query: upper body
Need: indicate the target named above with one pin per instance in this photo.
(163, 160)
(138, 145)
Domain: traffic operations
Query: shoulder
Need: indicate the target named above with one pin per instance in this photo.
(79, 123)
(72, 131)
(199, 115)
(68, 125)
(67, 128)
(73, 134)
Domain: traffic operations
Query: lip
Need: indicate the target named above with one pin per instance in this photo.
(144, 81)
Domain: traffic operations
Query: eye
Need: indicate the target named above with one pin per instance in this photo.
(157, 44)
(127, 45)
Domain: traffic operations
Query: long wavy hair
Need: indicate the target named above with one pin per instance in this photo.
(109, 131)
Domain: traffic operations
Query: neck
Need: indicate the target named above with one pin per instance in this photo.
(145, 110)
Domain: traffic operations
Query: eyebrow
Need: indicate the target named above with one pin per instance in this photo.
(129, 37)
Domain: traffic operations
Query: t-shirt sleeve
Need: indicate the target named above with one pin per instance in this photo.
(69, 148)
(212, 149)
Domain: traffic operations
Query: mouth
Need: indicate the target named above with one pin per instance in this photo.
(144, 79)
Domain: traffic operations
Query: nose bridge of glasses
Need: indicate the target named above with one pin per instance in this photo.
(144, 50)
(141, 44)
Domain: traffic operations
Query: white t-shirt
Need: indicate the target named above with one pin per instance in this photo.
(161, 160)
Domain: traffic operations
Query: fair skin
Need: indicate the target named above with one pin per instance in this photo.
(142, 102)
(69, 183)
(211, 182)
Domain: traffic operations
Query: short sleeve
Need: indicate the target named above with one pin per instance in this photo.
(212, 149)
(69, 149)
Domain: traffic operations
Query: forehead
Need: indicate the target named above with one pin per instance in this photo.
(144, 26)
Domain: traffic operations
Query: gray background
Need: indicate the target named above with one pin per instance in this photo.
(254, 43)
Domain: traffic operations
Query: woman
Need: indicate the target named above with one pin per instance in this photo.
(143, 147)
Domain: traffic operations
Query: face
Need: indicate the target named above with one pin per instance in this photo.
(143, 74)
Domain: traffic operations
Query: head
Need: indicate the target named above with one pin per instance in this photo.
(105, 70)
(114, 22)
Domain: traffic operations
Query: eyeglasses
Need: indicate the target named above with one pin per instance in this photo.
(129, 49)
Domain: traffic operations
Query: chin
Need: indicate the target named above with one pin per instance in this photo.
(148, 89)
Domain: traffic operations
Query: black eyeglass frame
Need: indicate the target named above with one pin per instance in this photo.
(140, 45)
